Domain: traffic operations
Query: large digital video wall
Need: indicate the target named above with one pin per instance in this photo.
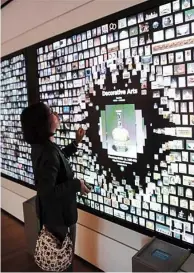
(129, 83)
(128, 80)
(15, 153)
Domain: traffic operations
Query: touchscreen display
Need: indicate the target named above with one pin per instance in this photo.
(129, 83)
(15, 153)
(161, 255)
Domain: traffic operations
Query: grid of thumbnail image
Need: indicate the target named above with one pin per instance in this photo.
(129, 83)
(15, 153)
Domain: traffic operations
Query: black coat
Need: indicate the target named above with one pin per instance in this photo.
(56, 187)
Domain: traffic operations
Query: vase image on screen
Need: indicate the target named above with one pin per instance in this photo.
(120, 135)
(122, 130)
(118, 130)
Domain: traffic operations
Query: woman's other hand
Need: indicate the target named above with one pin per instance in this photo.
(84, 189)
(79, 135)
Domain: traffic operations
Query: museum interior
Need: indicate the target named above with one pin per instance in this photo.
(97, 135)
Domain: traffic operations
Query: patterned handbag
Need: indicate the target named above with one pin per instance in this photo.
(52, 255)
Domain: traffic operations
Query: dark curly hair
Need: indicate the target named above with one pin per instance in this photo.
(36, 124)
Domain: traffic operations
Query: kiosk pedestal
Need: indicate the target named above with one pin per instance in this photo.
(159, 256)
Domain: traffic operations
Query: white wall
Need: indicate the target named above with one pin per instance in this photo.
(24, 22)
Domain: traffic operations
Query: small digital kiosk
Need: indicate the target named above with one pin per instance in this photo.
(159, 256)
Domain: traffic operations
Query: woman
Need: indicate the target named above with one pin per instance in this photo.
(56, 186)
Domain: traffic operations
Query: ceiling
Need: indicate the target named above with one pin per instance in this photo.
(5, 2)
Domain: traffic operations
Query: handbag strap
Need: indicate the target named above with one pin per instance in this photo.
(38, 201)
(40, 212)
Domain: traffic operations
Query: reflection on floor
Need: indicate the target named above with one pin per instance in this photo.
(14, 257)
